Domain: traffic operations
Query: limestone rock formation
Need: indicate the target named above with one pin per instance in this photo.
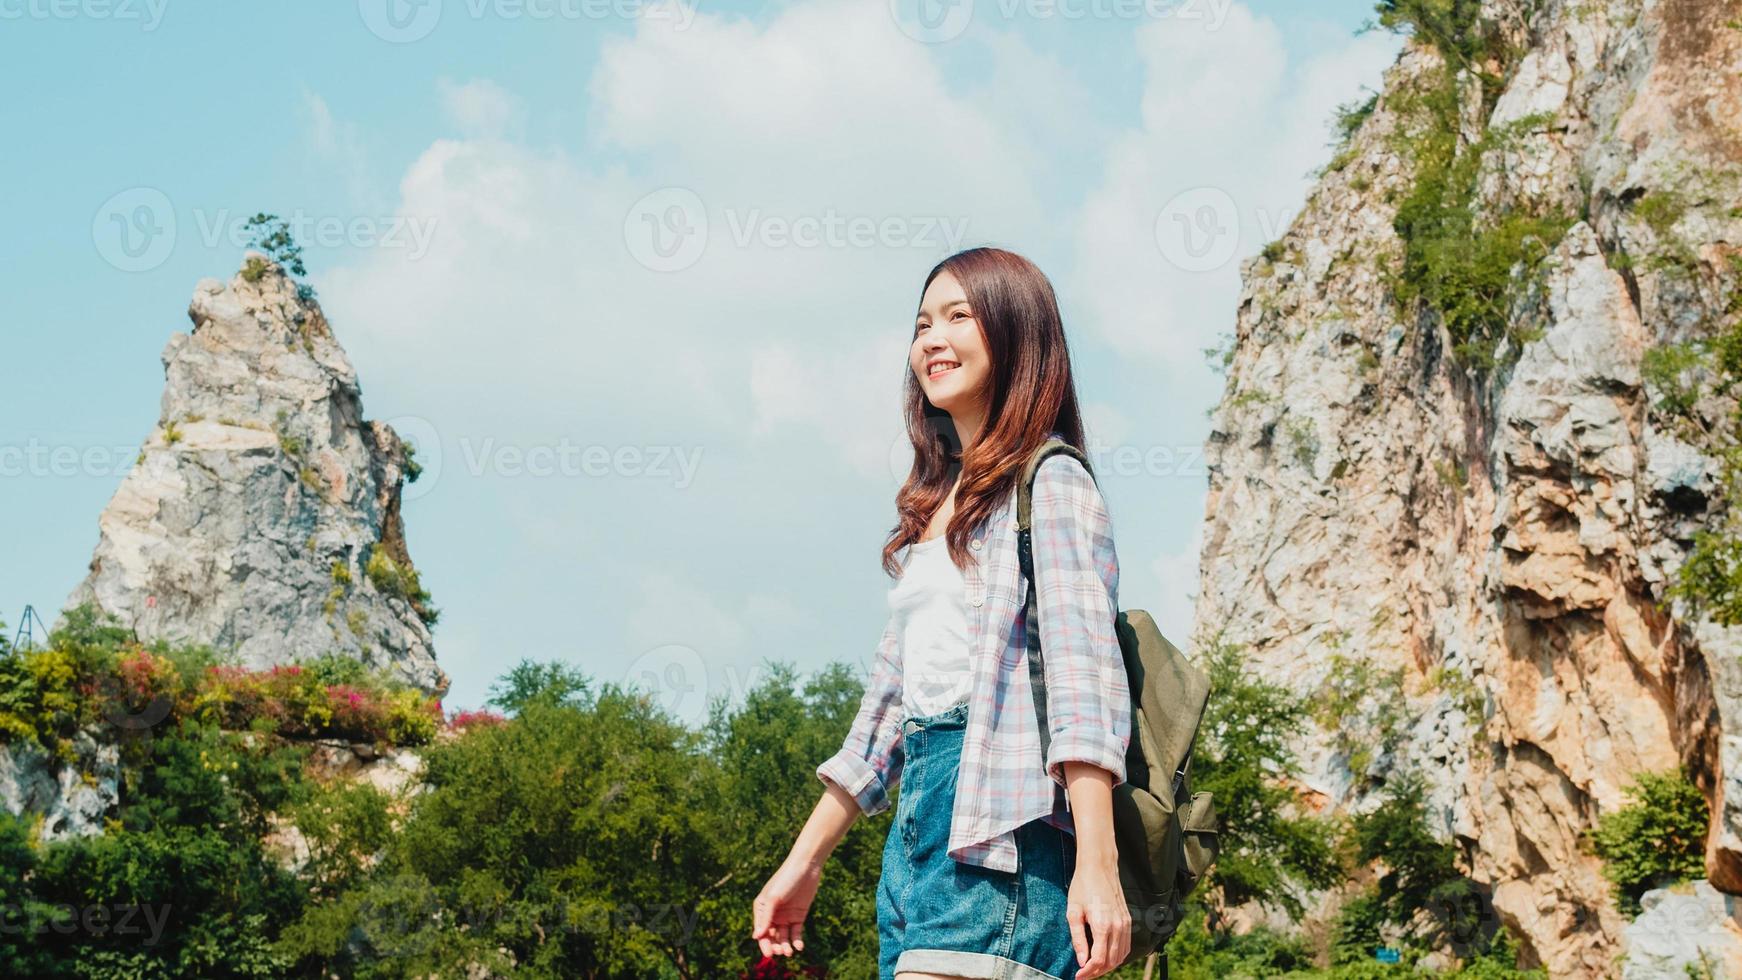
(1693, 930)
(1503, 534)
(262, 516)
(72, 796)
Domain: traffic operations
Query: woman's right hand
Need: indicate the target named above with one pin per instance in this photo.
(778, 913)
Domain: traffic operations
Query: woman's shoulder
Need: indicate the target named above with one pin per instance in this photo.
(1064, 486)
(1065, 470)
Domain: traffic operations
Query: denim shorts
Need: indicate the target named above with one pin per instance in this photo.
(938, 915)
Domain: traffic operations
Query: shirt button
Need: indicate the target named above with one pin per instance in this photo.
(977, 600)
(974, 544)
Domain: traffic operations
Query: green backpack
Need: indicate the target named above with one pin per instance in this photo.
(1165, 833)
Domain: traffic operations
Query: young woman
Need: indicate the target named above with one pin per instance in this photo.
(999, 864)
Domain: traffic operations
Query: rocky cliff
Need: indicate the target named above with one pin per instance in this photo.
(1452, 485)
(262, 515)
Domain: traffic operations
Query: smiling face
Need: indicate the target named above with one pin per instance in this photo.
(949, 355)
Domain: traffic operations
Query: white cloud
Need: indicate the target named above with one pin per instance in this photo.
(1177, 573)
(852, 393)
(537, 303)
(1228, 115)
(341, 146)
(825, 114)
(481, 107)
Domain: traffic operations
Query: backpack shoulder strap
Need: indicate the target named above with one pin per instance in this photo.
(1025, 556)
(1025, 485)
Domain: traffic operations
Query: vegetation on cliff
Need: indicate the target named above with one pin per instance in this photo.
(1466, 264)
(576, 830)
(1657, 839)
(1403, 890)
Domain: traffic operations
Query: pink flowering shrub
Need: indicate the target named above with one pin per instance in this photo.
(296, 702)
(95, 675)
(142, 677)
(479, 718)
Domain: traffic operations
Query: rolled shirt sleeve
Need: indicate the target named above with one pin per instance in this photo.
(1076, 572)
(869, 762)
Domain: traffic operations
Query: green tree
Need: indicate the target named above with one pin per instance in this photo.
(186, 856)
(1245, 756)
(554, 682)
(768, 751)
(1419, 875)
(270, 234)
(1657, 839)
(578, 840)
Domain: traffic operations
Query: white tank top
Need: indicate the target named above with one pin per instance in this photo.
(931, 619)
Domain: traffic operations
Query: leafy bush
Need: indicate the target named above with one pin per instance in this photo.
(1454, 263)
(1351, 116)
(1360, 707)
(462, 720)
(528, 681)
(1710, 580)
(272, 235)
(1197, 953)
(1421, 889)
(179, 885)
(394, 579)
(1657, 839)
(1245, 756)
(1452, 27)
(1462, 267)
(96, 677)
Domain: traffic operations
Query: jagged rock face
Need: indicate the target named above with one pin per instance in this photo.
(252, 517)
(1688, 931)
(1505, 537)
(72, 796)
(396, 773)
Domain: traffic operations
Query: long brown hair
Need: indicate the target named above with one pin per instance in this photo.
(1030, 395)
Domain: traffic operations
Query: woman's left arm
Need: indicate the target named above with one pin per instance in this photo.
(1076, 573)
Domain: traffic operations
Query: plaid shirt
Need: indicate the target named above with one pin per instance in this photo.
(1003, 783)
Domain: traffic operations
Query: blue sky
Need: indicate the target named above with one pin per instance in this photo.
(502, 204)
